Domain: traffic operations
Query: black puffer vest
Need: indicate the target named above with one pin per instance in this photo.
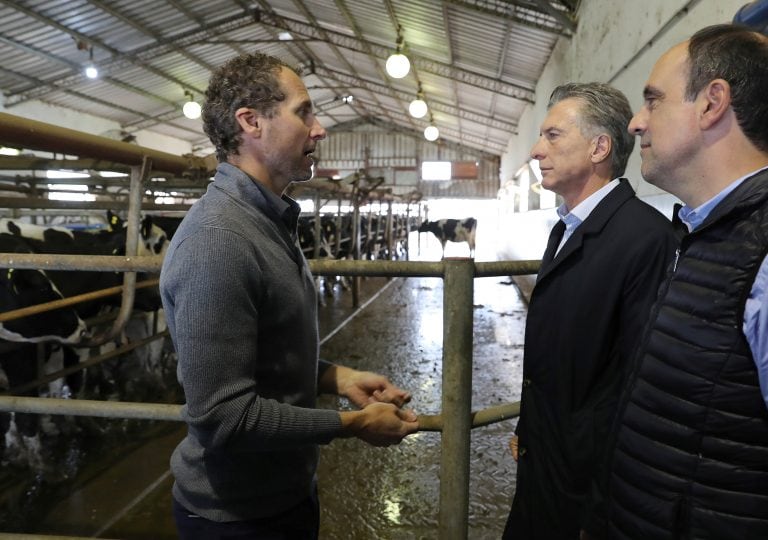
(691, 457)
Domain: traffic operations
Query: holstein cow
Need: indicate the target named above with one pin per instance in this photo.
(20, 288)
(60, 240)
(21, 343)
(452, 230)
(326, 249)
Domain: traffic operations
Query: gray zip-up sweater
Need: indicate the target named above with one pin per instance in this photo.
(242, 312)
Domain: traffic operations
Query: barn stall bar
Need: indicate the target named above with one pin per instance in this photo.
(456, 418)
(387, 239)
(34, 135)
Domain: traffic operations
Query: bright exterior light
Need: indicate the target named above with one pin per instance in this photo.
(66, 174)
(91, 71)
(417, 108)
(431, 133)
(398, 66)
(192, 109)
(285, 36)
(436, 170)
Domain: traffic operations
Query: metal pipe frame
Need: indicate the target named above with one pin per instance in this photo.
(456, 419)
(17, 131)
(458, 292)
(71, 301)
(92, 361)
(427, 422)
(320, 267)
(138, 175)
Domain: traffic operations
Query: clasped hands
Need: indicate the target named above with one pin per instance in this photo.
(380, 421)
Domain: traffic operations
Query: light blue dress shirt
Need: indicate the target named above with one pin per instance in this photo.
(755, 326)
(572, 219)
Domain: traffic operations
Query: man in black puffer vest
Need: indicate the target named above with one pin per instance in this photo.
(691, 443)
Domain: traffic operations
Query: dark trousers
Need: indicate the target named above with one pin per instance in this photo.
(302, 522)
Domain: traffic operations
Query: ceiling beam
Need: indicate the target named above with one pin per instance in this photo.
(524, 15)
(437, 105)
(389, 126)
(144, 30)
(120, 60)
(471, 78)
(29, 49)
(563, 17)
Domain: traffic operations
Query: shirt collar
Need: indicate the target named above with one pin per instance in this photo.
(245, 187)
(693, 217)
(286, 208)
(581, 211)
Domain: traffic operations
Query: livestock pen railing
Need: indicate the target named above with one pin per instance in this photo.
(456, 418)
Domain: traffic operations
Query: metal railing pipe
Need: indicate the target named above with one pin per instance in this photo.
(114, 353)
(458, 290)
(97, 263)
(70, 301)
(138, 175)
(484, 417)
(87, 407)
(320, 267)
(19, 131)
(376, 268)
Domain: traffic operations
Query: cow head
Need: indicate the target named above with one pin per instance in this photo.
(153, 238)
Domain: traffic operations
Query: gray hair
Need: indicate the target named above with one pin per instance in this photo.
(605, 109)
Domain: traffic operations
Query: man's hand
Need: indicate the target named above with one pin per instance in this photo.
(379, 424)
(513, 442)
(362, 387)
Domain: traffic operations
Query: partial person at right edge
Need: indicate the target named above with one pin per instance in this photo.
(691, 453)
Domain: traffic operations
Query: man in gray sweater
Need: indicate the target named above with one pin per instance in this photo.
(242, 311)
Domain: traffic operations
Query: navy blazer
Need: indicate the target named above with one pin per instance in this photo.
(585, 318)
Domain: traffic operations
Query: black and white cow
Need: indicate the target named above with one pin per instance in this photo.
(23, 341)
(452, 230)
(61, 241)
(21, 288)
(51, 335)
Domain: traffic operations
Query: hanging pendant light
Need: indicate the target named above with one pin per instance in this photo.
(191, 108)
(91, 71)
(398, 64)
(418, 107)
(431, 133)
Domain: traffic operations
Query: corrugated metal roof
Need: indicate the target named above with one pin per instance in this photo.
(477, 60)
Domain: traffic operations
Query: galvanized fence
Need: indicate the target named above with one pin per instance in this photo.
(456, 418)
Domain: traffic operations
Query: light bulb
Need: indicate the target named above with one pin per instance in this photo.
(431, 133)
(417, 108)
(192, 109)
(398, 66)
(91, 71)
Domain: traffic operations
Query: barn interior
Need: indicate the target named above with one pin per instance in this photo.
(98, 119)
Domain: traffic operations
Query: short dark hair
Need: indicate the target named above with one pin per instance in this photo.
(604, 108)
(248, 80)
(739, 56)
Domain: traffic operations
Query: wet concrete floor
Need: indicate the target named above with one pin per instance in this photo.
(122, 490)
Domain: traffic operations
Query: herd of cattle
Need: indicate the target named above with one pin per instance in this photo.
(46, 342)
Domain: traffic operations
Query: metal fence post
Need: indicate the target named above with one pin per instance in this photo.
(458, 289)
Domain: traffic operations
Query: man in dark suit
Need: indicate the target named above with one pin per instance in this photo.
(598, 279)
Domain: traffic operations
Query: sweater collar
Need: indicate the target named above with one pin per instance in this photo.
(249, 190)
